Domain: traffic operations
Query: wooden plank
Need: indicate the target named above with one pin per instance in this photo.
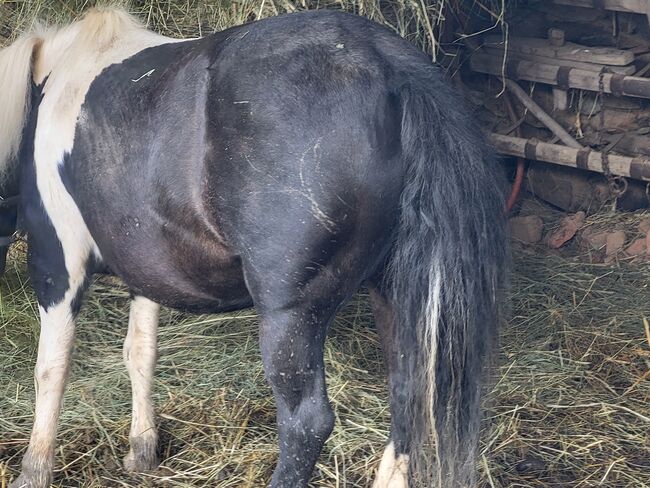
(568, 51)
(574, 78)
(541, 115)
(623, 70)
(637, 168)
(634, 6)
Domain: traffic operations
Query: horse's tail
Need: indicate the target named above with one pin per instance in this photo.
(15, 77)
(446, 277)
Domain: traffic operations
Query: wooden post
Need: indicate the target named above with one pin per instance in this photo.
(560, 96)
(560, 99)
(556, 36)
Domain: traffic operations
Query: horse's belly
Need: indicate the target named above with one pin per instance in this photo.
(178, 292)
(179, 271)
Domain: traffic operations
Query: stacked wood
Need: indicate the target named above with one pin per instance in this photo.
(586, 106)
(633, 6)
(587, 111)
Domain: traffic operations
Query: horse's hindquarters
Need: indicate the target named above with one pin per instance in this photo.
(211, 162)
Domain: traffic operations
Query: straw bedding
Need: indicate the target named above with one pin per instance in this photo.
(570, 405)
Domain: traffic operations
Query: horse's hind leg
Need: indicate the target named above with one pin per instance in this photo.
(393, 469)
(292, 350)
(140, 359)
(294, 323)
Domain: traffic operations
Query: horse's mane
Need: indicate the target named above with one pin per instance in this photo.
(97, 31)
(62, 54)
(15, 72)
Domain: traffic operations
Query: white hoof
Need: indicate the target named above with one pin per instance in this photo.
(393, 470)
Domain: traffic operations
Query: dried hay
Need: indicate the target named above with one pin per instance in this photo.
(571, 407)
(419, 21)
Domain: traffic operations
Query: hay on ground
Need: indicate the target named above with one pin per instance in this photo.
(571, 406)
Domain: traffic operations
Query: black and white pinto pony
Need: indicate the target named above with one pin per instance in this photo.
(282, 165)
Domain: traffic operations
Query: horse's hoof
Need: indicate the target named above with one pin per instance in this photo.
(27, 482)
(19, 482)
(143, 462)
(36, 471)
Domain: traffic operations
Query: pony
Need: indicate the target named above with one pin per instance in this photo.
(280, 164)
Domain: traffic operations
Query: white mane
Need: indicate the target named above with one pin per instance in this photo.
(15, 70)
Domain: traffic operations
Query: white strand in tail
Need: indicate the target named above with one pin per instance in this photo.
(432, 316)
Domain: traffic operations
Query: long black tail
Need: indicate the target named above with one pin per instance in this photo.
(447, 275)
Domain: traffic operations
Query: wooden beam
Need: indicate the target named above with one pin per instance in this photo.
(637, 168)
(634, 6)
(568, 51)
(562, 76)
(493, 50)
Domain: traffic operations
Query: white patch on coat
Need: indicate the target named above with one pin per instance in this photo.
(430, 340)
(393, 470)
(140, 350)
(71, 59)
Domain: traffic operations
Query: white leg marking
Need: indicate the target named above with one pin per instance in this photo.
(140, 359)
(50, 375)
(393, 471)
(54, 349)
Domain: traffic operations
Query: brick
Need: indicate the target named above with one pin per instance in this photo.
(569, 225)
(615, 242)
(637, 248)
